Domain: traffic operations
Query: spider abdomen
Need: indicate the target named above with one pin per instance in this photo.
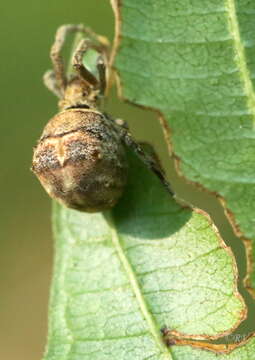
(80, 160)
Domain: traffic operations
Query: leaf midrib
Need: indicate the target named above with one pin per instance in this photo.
(137, 291)
(242, 64)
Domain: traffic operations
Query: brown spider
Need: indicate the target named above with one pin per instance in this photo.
(80, 158)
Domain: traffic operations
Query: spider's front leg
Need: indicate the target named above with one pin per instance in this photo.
(146, 158)
(83, 72)
(56, 57)
(78, 65)
(50, 82)
(57, 81)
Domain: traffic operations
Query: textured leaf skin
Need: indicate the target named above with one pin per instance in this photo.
(120, 277)
(194, 62)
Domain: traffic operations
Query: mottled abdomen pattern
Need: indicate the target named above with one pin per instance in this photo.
(80, 160)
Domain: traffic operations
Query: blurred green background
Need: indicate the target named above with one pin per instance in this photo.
(27, 31)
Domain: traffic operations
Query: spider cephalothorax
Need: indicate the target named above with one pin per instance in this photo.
(80, 158)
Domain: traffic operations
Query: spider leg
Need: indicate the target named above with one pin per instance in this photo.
(101, 43)
(56, 57)
(144, 156)
(58, 65)
(81, 69)
(49, 80)
(147, 160)
(78, 65)
(101, 67)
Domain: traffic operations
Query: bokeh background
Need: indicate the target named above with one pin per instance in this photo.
(26, 251)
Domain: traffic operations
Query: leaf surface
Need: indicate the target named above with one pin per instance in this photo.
(122, 276)
(193, 61)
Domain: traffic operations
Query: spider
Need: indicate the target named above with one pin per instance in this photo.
(80, 158)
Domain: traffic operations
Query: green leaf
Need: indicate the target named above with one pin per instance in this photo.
(194, 62)
(122, 276)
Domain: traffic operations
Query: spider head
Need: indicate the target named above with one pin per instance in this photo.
(79, 94)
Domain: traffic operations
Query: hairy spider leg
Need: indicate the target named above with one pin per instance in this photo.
(101, 67)
(56, 56)
(81, 69)
(147, 159)
(101, 44)
(49, 80)
(144, 156)
(78, 65)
